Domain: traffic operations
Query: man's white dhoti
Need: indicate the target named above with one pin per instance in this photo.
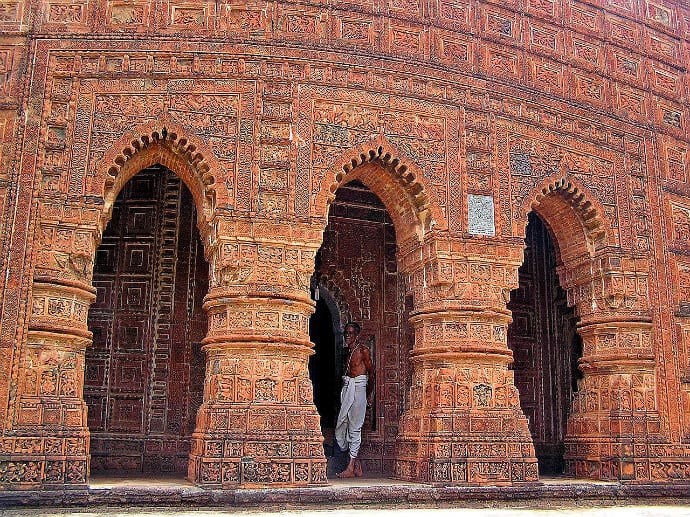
(353, 408)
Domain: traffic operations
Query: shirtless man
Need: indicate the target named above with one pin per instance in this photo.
(355, 397)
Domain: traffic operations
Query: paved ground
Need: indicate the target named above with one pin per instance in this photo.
(624, 511)
(362, 497)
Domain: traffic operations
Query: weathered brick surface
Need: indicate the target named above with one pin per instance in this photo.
(576, 111)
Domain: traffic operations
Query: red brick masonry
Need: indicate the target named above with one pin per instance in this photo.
(575, 111)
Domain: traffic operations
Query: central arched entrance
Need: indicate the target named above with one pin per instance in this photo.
(356, 278)
(545, 345)
(145, 371)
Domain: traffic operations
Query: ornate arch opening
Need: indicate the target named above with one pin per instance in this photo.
(563, 227)
(160, 182)
(169, 145)
(147, 321)
(413, 205)
(358, 264)
(572, 214)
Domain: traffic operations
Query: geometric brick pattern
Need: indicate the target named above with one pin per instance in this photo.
(144, 372)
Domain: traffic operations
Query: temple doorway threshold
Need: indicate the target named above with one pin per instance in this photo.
(105, 482)
(143, 482)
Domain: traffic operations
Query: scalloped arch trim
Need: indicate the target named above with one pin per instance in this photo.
(181, 146)
(421, 203)
(587, 209)
(401, 170)
(166, 143)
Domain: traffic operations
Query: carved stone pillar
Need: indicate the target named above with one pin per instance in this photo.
(50, 433)
(258, 424)
(464, 424)
(614, 417)
(46, 443)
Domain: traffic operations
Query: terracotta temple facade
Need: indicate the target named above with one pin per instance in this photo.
(195, 197)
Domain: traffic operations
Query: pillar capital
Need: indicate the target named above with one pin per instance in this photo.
(608, 286)
(470, 273)
(68, 233)
(262, 258)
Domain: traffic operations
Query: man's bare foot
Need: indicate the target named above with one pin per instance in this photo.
(347, 473)
(358, 469)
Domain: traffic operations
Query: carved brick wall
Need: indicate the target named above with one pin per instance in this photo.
(575, 110)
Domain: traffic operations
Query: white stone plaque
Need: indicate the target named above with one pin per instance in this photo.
(480, 215)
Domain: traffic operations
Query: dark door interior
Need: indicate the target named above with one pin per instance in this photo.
(545, 345)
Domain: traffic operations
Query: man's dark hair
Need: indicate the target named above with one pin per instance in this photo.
(354, 325)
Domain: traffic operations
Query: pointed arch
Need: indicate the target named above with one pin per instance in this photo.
(169, 144)
(337, 294)
(574, 216)
(413, 205)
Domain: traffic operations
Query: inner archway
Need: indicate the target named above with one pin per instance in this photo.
(145, 371)
(357, 264)
(325, 366)
(545, 345)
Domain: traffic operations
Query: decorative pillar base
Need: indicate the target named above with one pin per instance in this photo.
(34, 462)
(248, 454)
(462, 458)
(483, 439)
(608, 460)
(624, 455)
(260, 427)
(48, 445)
(614, 419)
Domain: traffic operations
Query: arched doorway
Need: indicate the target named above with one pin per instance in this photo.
(356, 268)
(145, 371)
(545, 345)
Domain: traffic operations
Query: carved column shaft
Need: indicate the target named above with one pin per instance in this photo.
(464, 424)
(46, 444)
(50, 434)
(614, 416)
(258, 423)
